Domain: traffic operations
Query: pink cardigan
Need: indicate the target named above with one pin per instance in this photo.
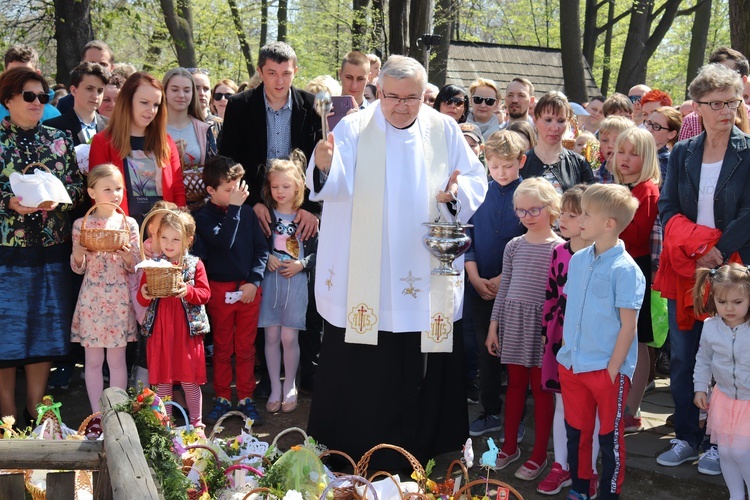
(172, 185)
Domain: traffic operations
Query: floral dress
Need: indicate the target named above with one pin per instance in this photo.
(104, 315)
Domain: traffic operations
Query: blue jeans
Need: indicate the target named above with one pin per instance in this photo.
(684, 347)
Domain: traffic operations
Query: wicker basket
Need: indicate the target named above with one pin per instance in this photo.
(364, 463)
(45, 205)
(195, 189)
(465, 491)
(161, 281)
(101, 239)
(569, 143)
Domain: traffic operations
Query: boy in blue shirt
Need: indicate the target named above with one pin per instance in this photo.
(605, 291)
(235, 252)
(495, 224)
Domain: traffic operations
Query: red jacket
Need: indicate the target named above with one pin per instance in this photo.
(637, 235)
(684, 243)
(172, 185)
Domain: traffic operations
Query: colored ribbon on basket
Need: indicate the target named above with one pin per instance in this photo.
(41, 409)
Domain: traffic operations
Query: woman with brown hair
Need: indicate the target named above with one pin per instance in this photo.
(136, 141)
(220, 96)
(35, 277)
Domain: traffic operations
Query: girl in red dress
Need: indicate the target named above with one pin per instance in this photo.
(175, 326)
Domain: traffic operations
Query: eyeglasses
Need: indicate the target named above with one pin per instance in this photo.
(654, 126)
(718, 105)
(534, 212)
(635, 98)
(30, 96)
(490, 101)
(454, 101)
(193, 71)
(218, 96)
(409, 101)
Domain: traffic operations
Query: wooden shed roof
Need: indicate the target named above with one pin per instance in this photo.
(542, 66)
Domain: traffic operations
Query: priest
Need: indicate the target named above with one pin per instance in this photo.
(391, 364)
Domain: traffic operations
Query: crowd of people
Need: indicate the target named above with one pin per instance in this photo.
(584, 217)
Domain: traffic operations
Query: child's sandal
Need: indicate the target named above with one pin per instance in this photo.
(530, 470)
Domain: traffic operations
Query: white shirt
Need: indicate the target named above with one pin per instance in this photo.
(405, 260)
(707, 189)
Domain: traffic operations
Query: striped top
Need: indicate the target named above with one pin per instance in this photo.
(520, 299)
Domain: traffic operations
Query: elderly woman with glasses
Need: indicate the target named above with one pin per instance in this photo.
(453, 100)
(705, 209)
(35, 243)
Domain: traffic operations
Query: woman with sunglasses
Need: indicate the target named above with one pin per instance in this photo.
(453, 100)
(35, 244)
(549, 159)
(485, 99)
(220, 96)
(664, 124)
(194, 138)
(136, 141)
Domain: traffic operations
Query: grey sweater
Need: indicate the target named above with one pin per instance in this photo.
(724, 353)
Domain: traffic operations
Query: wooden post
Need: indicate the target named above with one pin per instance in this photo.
(61, 485)
(52, 455)
(128, 470)
(12, 486)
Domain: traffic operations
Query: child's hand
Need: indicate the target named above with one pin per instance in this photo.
(239, 194)
(126, 252)
(79, 252)
(612, 376)
(273, 263)
(248, 293)
(144, 292)
(701, 400)
(290, 267)
(148, 248)
(493, 341)
(181, 290)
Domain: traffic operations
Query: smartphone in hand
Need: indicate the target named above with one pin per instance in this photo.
(342, 104)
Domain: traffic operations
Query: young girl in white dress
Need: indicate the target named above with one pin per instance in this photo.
(104, 319)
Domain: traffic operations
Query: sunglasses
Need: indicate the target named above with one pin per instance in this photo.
(29, 96)
(635, 98)
(218, 96)
(193, 71)
(455, 101)
(490, 101)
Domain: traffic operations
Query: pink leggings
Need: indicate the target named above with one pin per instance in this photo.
(193, 397)
(519, 378)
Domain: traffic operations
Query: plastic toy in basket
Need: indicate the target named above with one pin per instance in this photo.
(101, 239)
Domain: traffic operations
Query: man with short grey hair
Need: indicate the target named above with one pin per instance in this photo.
(392, 337)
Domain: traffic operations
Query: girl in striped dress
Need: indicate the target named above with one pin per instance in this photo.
(516, 321)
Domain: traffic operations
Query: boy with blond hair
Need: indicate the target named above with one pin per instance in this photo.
(605, 291)
(495, 224)
(610, 128)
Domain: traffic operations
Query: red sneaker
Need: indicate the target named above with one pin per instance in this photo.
(594, 486)
(556, 480)
(632, 424)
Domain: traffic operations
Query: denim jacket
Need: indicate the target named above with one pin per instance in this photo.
(731, 198)
(197, 318)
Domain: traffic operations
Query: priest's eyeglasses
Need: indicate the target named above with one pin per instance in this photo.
(719, 105)
(533, 211)
(409, 101)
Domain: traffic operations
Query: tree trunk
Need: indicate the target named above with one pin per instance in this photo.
(178, 16)
(281, 17)
(73, 30)
(420, 23)
(639, 45)
(607, 70)
(153, 53)
(570, 49)
(359, 24)
(398, 23)
(590, 34)
(378, 35)
(241, 37)
(739, 25)
(698, 40)
(263, 24)
(445, 16)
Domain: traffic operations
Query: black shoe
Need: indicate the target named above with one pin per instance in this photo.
(662, 364)
(263, 389)
(60, 378)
